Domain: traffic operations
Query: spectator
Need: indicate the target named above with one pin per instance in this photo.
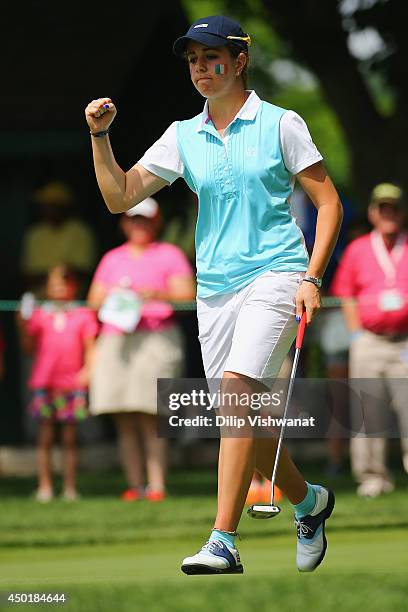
(131, 354)
(372, 279)
(61, 336)
(334, 340)
(58, 236)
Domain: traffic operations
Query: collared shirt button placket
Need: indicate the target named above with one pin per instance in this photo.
(227, 171)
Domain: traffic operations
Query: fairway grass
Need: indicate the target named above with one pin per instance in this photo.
(367, 573)
(108, 555)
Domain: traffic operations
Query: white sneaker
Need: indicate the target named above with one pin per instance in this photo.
(387, 486)
(374, 487)
(70, 496)
(214, 558)
(43, 496)
(312, 543)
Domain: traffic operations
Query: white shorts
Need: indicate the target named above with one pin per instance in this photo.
(250, 331)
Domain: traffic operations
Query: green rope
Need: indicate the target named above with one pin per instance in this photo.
(14, 305)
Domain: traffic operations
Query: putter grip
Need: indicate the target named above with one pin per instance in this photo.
(301, 331)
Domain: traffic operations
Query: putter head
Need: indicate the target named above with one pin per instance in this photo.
(263, 511)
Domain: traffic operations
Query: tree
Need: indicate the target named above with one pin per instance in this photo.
(316, 33)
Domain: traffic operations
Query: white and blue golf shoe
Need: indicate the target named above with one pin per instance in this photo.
(312, 543)
(214, 558)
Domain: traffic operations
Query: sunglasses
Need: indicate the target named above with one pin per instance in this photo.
(389, 206)
(137, 218)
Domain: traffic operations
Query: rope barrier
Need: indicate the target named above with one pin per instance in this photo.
(15, 305)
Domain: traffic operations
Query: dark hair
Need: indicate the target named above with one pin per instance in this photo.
(67, 272)
(235, 50)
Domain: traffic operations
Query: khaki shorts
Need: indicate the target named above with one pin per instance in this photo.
(126, 368)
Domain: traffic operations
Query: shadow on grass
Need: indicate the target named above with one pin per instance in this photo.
(180, 482)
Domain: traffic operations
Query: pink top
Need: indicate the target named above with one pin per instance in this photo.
(151, 270)
(60, 336)
(361, 275)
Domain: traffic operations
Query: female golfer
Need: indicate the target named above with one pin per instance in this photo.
(241, 156)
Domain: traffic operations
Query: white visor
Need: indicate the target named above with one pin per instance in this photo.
(147, 208)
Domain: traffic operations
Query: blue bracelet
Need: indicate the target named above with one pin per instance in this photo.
(99, 134)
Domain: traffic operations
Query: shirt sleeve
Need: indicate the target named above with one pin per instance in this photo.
(29, 257)
(84, 254)
(177, 263)
(90, 324)
(298, 149)
(343, 284)
(103, 271)
(163, 159)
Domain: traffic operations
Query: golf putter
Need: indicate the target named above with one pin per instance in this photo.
(265, 511)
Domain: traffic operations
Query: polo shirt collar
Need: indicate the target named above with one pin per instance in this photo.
(246, 113)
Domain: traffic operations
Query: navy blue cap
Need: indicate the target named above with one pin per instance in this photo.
(213, 31)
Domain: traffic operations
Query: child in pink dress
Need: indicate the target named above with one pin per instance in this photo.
(61, 335)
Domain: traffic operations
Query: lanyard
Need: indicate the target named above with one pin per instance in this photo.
(388, 260)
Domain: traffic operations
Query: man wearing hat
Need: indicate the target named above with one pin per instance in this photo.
(58, 237)
(372, 279)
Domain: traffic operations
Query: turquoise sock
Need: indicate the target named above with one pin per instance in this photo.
(307, 504)
(224, 536)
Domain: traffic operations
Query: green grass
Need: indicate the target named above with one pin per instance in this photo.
(108, 555)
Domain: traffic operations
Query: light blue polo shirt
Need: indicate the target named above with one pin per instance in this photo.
(244, 226)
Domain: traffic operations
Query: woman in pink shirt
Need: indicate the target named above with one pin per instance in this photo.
(61, 335)
(139, 341)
